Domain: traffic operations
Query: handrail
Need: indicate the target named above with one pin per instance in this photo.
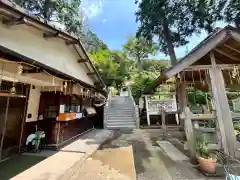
(109, 98)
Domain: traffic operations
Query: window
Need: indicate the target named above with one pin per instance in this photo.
(50, 111)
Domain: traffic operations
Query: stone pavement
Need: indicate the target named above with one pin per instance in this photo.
(63, 164)
(151, 162)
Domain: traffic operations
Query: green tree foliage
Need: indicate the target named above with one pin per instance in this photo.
(140, 81)
(68, 15)
(231, 13)
(112, 66)
(138, 49)
(168, 21)
(173, 21)
(206, 13)
(154, 65)
(93, 43)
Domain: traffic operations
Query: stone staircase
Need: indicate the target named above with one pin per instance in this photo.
(120, 113)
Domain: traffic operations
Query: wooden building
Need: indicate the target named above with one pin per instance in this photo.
(211, 66)
(46, 79)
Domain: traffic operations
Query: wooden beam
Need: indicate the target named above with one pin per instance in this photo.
(204, 67)
(227, 54)
(82, 61)
(97, 84)
(91, 73)
(50, 35)
(31, 71)
(197, 53)
(12, 22)
(236, 36)
(229, 47)
(71, 42)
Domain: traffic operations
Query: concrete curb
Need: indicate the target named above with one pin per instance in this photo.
(73, 169)
(135, 173)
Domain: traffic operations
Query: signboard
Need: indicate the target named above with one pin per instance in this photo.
(158, 105)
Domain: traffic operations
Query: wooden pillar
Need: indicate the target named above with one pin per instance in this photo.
(224, 116)
(147, 110)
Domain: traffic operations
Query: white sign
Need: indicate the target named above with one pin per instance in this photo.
(62, 108)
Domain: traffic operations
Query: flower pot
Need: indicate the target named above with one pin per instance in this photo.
(207, 165)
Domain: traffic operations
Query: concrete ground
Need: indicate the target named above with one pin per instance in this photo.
(63, 163)
(128, 155)
(150, 162)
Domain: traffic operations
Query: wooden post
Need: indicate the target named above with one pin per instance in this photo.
(4, 127)
(175, 107)
(224, 116)
(190, 135)
(24, 118)
(147, 111)
(183, 101)
(163, 116)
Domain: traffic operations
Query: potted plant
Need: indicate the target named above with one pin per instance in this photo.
(206, 159)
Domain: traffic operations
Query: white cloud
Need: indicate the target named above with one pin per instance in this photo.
(104, 20)
(92, 8)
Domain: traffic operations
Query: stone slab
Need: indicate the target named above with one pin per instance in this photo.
(112, 157)
(172, 151)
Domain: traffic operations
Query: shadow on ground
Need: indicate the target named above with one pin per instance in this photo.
(18, 164)
(124, 138)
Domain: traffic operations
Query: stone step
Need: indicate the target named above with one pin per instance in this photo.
(120, 121)
(120, 118)
(120, 127)
(122, 106)
(120, 114)
(119, 111)
(123, 122)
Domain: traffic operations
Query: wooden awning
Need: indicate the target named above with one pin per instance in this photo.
(225, 43)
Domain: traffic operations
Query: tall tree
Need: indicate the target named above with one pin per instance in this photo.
(168, 21)
(138, 49)
(207, 12)
(232, 12)
(173, 21)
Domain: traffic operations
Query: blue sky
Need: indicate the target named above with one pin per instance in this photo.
(114, 21)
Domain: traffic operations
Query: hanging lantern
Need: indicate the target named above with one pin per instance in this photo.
(65, 88)
(20, 69)
(1, 74)
(13, 89)
(229, 73)
(234, 72)
(65, 85)
(53, 81)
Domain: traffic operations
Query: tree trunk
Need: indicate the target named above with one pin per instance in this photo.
(46, 10)
(139, 63)
(169, 42)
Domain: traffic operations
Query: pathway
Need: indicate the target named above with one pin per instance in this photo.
(151, 163)
(62, 164)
